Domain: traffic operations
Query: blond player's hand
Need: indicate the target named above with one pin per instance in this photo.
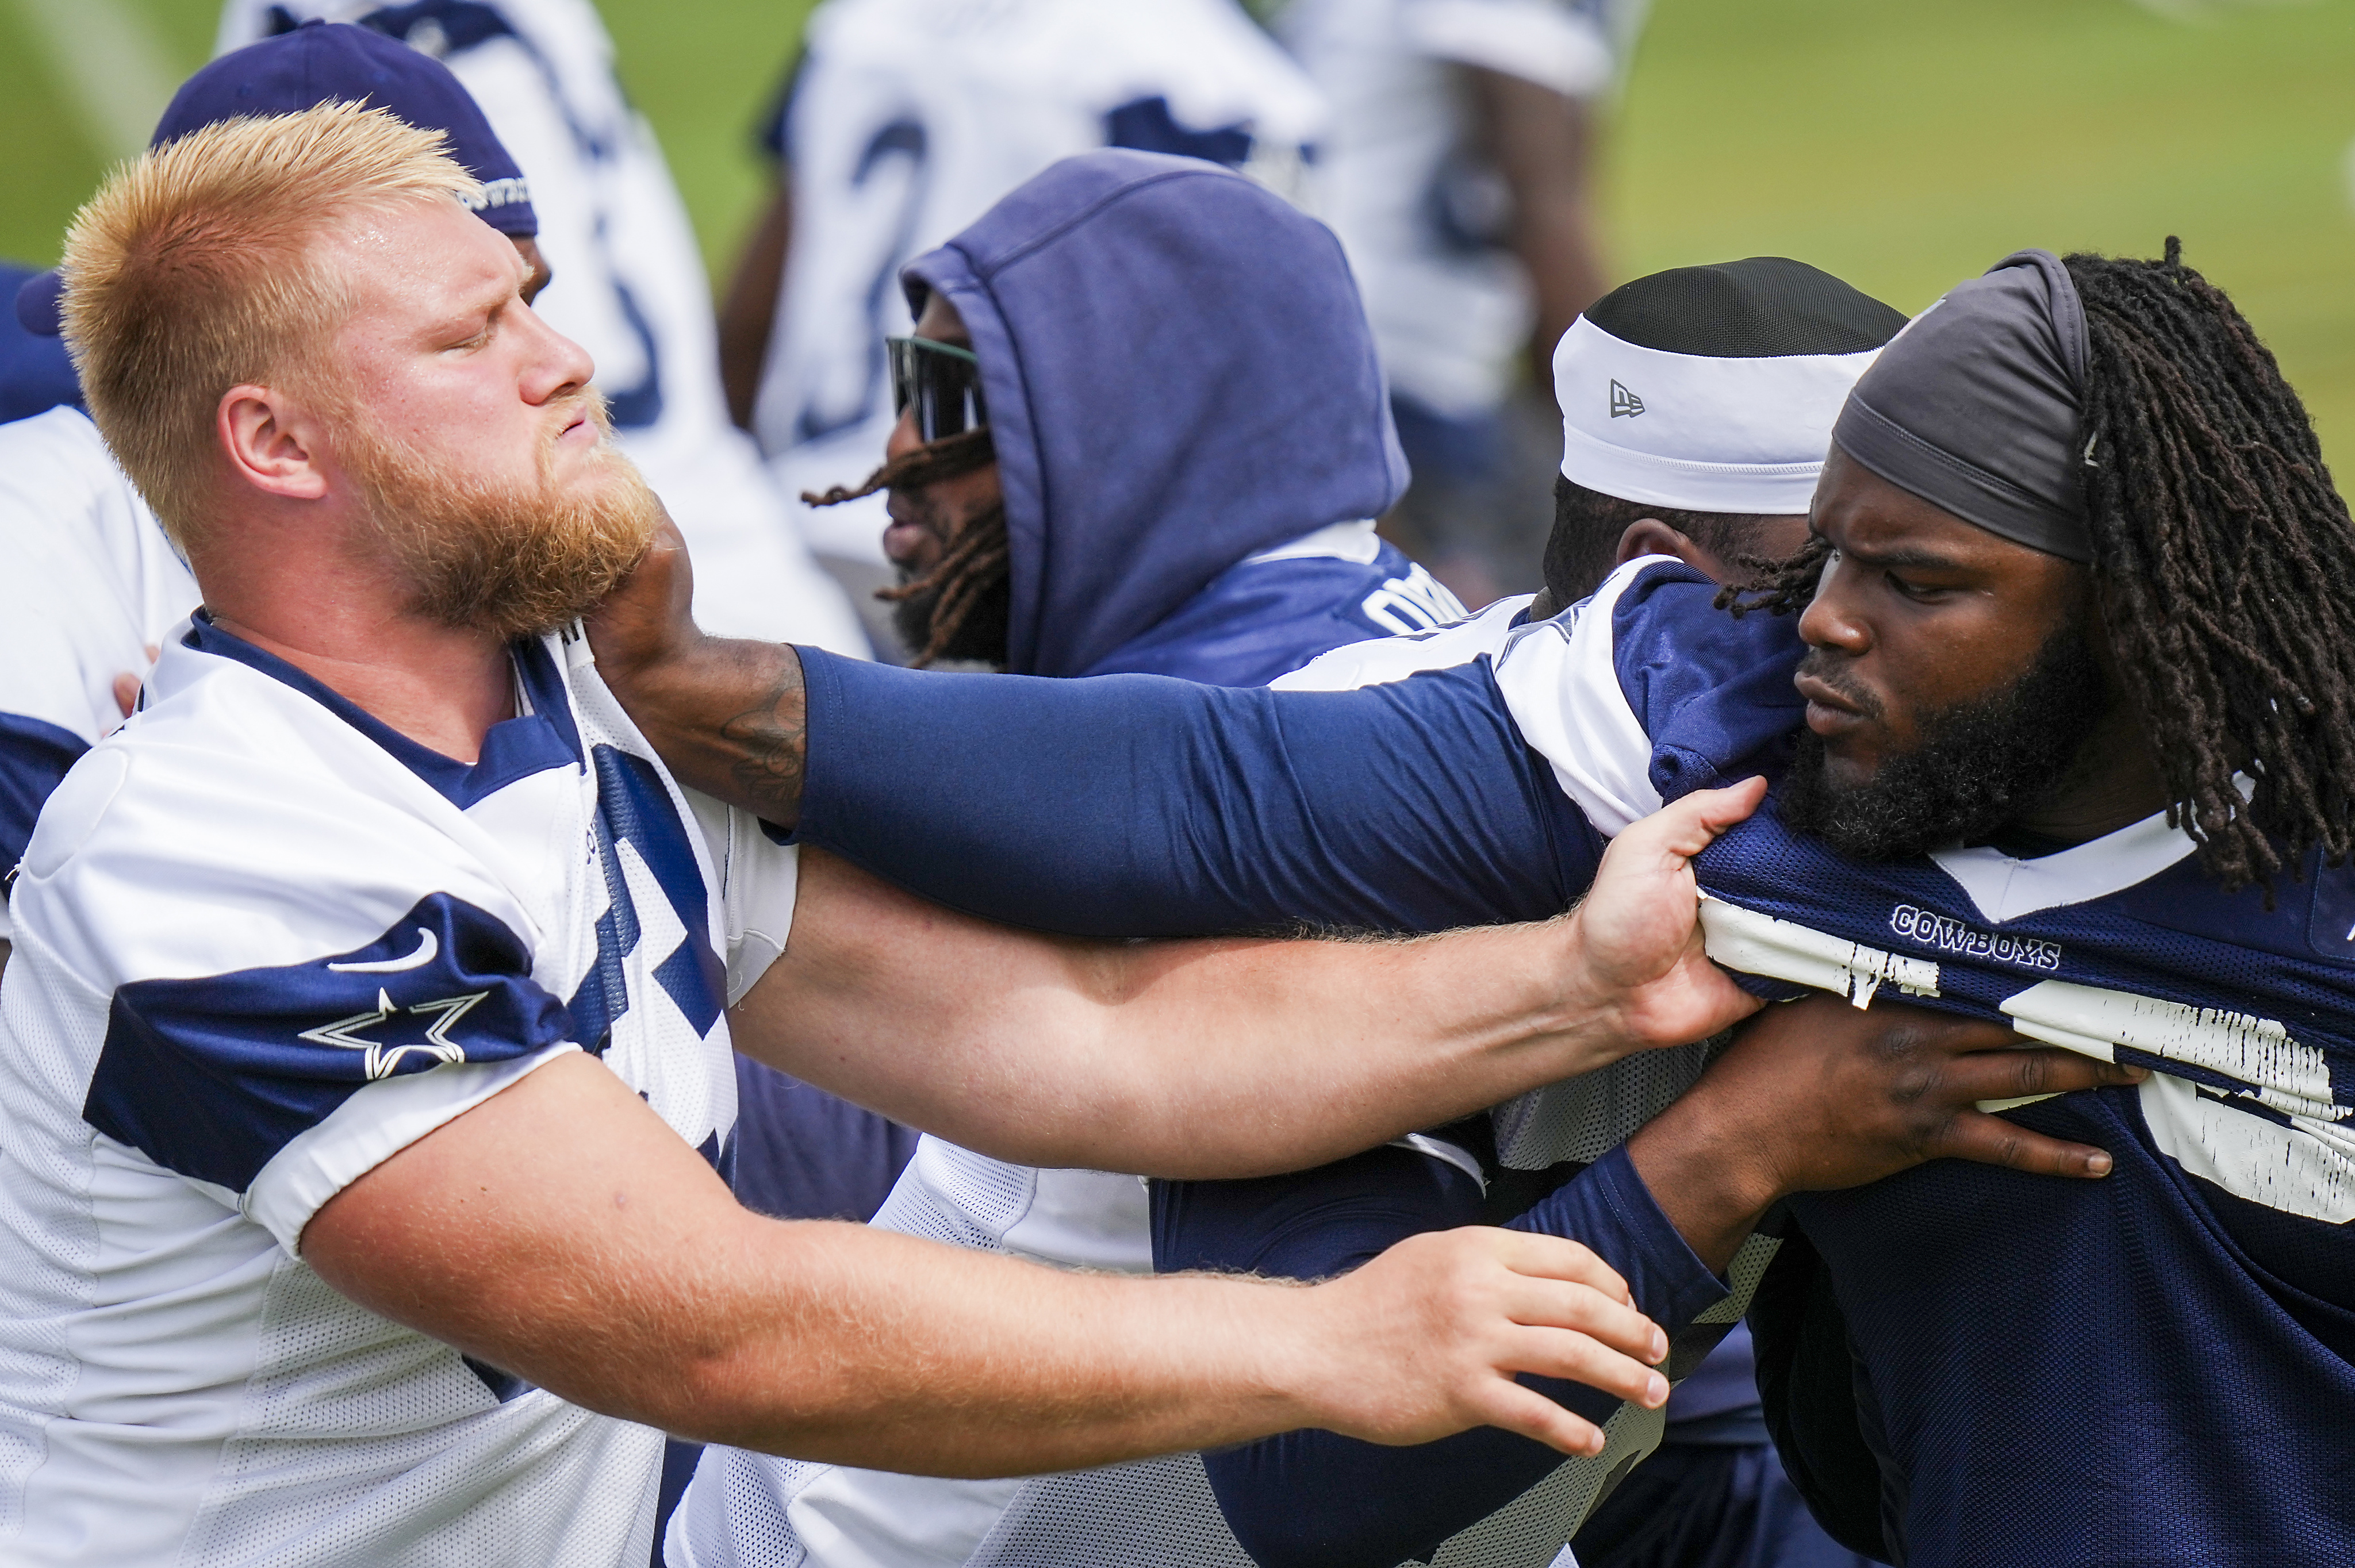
(1639, 925)
(1425, 1340)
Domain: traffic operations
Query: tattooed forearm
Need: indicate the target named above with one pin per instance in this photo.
(729, 717)
(764, 746)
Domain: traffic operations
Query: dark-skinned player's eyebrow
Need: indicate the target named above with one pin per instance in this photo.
(1902, 558)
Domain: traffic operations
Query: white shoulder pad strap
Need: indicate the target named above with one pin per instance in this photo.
(1562, 688)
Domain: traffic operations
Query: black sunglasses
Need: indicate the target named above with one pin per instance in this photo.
(942, 381)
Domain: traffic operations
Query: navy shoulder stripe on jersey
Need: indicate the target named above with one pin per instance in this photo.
(212, 1077)
(34, 757)
(636, 817)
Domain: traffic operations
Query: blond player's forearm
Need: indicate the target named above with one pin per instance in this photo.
(1214, 1058)
(561, 1231)
(907, 1355)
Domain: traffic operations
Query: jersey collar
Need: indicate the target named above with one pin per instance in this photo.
(533, 742)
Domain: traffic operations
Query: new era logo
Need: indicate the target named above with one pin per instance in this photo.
(1624, 404)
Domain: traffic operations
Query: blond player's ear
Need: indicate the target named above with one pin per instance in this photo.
(270, 442)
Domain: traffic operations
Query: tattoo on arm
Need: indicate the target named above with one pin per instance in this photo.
(764, 747)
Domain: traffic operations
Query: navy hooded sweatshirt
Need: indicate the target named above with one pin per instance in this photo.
(1191, 427)
(1181, 385)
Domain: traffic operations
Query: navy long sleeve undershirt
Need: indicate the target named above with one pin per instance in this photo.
(1314, 1499)
(1130, 806)
(1139, 806)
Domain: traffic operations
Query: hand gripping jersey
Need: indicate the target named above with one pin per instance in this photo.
(907, 120)
(96, 586)
(629, 286)
(2148, 1369)
(263, 943)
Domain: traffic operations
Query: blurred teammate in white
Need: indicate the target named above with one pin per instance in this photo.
(1457, 168)
(628, 285)
(903, 122)
(365, 1038)
(100, 583)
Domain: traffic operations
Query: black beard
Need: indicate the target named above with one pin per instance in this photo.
(1980, 764)
(980, 640)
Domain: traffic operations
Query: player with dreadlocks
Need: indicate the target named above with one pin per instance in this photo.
(2219, 554)
(2059, 739)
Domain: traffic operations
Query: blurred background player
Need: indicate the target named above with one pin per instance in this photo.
(628, 285)
(1186, 486)
(36, 373)
(98, 584)
(902, 123)
(1457, 168)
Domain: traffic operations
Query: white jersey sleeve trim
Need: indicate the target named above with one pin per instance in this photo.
(760, 881)
(368, 1130)
(1560, 683)
(1335, 542)
(1536, 40)
(1386, 658)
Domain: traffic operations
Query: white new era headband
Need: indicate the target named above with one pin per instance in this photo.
(1697, 434)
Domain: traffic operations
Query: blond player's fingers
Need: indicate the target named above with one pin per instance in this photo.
(1575, 1357)
(1692, 824)
(1555, 1303)
(1541, 1256)
(1506, 1404)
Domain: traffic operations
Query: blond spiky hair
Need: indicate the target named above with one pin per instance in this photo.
(196, 268)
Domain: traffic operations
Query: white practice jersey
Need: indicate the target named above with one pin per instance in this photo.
(629, 287)
(750, 1510)
(264, 942)
(93, 585)
(1400, 178)
(909, 118)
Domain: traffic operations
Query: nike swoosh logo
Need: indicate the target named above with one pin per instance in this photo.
(428, 947)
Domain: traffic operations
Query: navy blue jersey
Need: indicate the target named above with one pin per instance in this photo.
(2142, 1370)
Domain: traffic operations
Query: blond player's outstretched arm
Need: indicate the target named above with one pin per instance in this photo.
(1232, 1057)
(562, 1232)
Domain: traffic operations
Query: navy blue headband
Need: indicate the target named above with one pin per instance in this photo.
(1974, 406)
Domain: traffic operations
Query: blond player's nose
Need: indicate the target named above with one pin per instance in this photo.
(556, 365)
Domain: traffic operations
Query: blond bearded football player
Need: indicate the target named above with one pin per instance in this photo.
(366, 1041)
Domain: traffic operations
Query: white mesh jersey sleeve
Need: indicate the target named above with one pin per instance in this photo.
(266, 1046)
(759, 879)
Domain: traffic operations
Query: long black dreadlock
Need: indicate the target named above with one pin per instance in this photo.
(968, 590)
(2224, 561)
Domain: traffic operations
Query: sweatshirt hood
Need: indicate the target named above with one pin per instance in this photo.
(1180, 374)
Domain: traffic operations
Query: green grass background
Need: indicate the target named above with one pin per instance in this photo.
(1900, 144)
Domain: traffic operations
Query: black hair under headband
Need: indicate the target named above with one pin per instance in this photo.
(1974, 406)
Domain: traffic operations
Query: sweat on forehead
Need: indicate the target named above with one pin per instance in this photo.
(1974, 406)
